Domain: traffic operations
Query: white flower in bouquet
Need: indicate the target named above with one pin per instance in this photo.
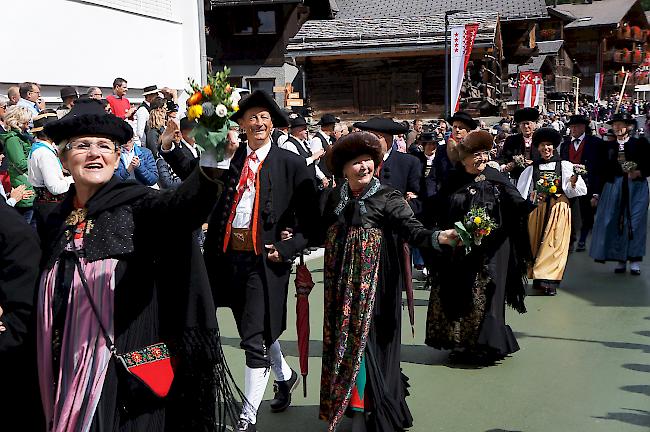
(235, 97)
(208, 109)
(221, 110)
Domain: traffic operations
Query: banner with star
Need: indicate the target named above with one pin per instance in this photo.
(462, 42)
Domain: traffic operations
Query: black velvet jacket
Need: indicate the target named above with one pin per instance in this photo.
(161, 295)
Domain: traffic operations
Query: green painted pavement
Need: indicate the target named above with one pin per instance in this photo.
(584, 363)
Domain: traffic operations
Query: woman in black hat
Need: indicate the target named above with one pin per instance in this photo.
(549, 226)
(470, 290)
(363, 280)
(620, 227)
(111, 286)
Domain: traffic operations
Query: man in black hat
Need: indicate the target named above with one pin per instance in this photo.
(580, 147)
(142, 113)
(68, 96)
(520, 145)
(425, 150)
(267, 190)
(398, 170)
(297, 143)
(322, 140)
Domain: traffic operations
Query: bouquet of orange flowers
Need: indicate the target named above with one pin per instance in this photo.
(211, 106)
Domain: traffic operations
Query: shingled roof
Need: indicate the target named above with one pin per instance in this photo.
(598, 13)
(383, 35)
(507, 9)
(549, 47)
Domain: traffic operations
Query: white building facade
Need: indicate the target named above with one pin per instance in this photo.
(85, 43)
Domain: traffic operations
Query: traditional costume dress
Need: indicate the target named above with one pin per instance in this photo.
(549, 225)
(363, 304)
(620, 227)
(469, 291)
(364, 267)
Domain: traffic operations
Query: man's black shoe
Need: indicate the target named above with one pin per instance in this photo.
(581, 247)
(283, 390)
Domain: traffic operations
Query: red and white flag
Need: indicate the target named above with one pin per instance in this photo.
(598, 85)
(530, 88)
(462, 42)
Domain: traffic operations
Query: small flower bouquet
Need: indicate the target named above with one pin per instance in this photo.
(548, 183)
(476, 225)
(579, 170)
(212, 105)
(519, 160)
(629, 166)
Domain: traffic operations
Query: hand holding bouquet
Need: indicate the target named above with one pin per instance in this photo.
(476, 225)
(519, 160)
(211, 106)
(629, 166)
(579, 170)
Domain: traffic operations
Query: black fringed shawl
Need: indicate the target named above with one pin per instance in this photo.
(160, 269)
(493, 190)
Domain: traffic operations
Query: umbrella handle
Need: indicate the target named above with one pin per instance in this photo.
(304, 385)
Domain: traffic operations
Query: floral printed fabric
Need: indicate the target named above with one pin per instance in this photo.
(351, 278)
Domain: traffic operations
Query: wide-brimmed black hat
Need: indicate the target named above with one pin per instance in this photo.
(89, 118)
(622, 117)
(547, 134)
(261, 99)
(351, 146)
(43, 118)
(577, 119)
(526, 114)
(428, 137)
(328, 119)
(465, 118)
(382, 125)
(69, 91)
(150, 90)
(297, 121)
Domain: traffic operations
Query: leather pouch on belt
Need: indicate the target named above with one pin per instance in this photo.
(241, 240)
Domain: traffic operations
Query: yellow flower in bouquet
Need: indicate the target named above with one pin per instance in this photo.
(552, 189)
(211, 105)
(194, 112)
(477, 220)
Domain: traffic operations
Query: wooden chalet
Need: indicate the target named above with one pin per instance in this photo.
(607, 36)
(394, 66)
(250, 37)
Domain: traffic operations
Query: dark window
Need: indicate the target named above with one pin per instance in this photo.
(265, 85)
(252, 22)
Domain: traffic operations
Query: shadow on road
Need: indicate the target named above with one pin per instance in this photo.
(635, 417)
(641, 389)
(637, 367)
(608, 344)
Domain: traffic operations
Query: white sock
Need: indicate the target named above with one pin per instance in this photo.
(279, 365)
(636, 266)
(254, 385)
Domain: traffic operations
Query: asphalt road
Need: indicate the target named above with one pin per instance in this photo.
(584, 363)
